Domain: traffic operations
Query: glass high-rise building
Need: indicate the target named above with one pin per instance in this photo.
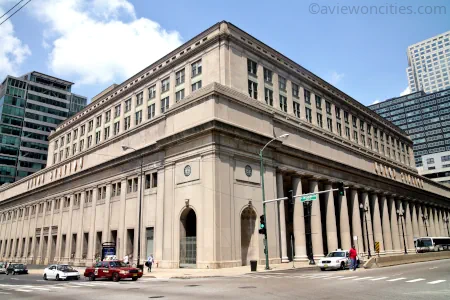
(429, 64)
(425, 117)
(30, 107)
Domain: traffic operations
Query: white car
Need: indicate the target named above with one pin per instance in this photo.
(335, 260)
(61, 272)
(2, 268)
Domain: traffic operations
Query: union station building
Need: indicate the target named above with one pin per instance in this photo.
(178, 144)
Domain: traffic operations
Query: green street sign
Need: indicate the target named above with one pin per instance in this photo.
(308, 198)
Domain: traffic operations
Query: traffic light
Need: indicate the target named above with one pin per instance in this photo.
(341, 189)
(262, 225)
(290, 197)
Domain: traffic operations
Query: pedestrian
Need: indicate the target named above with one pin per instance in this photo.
(125, 259)
(149, 262)
(352, 255)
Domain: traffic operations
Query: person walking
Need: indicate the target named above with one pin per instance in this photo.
(125, 259)
(149, 262)
(352, 255)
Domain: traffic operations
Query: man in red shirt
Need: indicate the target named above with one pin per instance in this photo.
(352, 255)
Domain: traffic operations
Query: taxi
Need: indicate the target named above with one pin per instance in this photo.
(335, 260)
(115, 270)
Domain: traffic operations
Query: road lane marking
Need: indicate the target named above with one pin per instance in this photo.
(345, 278)
(333, 277)
(396, 279)
(433, 268)
(5, 293)
(20, 290)
(416, 280)
(13, 278)
(379, 278)
(40, 289)
(362, 278)
(436, 281)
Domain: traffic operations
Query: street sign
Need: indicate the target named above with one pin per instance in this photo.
(377, 247)
(308, 198)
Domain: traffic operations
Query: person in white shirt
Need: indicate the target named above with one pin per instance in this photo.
(125, 259)
(149, 262)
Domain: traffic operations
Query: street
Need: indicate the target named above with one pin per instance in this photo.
(429, 280)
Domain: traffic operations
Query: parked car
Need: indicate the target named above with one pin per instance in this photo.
(61, 272)
(16, 269)
(2, 268)
(115, 270)
(335, 260)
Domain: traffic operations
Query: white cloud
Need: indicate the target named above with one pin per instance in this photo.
(376, 101)
(406, 91)
(102, 41)
(12, 51)
(336, 77)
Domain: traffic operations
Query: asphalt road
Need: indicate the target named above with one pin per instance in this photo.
(429, 280)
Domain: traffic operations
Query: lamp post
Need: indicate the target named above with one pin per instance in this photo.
(266, 246)
(125, 148)
(424, 219)
(446, 220)
(400, 213)
(365, 210)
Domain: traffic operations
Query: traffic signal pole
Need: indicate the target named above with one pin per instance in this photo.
(266, 246)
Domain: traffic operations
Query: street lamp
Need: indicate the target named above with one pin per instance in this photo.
(266, 250)
(400, 213)
(366, 209)
(446, 220)
(424, 218)
(125, 148)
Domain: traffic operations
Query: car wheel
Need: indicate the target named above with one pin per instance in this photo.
(91, 277)
(45, 276)
(57, 277)
(134, 278)
(14, 272)
(342, 266)
(115, 277)
(6, 273)
(322, 269)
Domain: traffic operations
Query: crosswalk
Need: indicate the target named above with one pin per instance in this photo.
(344, 278)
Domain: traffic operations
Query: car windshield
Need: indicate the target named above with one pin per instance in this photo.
(117, 264)
(65, 268)
(336, 254)
(424, 243)
(18, 266)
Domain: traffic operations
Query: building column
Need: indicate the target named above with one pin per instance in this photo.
(58, 255)
(356, 221)
(436, 221)
(447, 227)
(415, 223)
(396, 246)
(159, 218)
(22, 234)
(377, 230)
(316, 222)
(409, 228)
(136, 227)
(29, 234)
(421, 220)
(122, 234)
(344, 222)
(49, 244)
(41, 244)
(282, 218)
(368, 220)
(33, 234)
(441, 222)
(444, 223)
(401, 221)
(431, 227)
(68, 254)
(386, 225)
(79, 246)
(299, 223)
(106, 232)
(15, 235)
(91, 244)
(330, 223)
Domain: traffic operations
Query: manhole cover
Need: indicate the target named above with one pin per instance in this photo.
(155, 297)
(192, 285)
(247, 287)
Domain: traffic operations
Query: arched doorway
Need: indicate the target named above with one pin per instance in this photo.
(188, 239)
(249, 238)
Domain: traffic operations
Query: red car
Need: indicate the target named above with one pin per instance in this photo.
(114, 269)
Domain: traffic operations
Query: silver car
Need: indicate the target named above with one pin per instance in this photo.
(2, 268)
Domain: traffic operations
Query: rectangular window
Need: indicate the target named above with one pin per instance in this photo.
(297, 109)
(282, 83)
(90, 125)
(55, 158)
(369, 142)
(74, 149)
(268, 96)
(179, 77)
(196, 68)
(307, 95)
(127, 105)
(108, 116)
(68, 138)
(127, 123)
(369, 129)
(116, 128)
(330, 124)
(295, 90)
(355, 136)
(117, 111)
(346, 117)
(363, 139)
(98, 122)
(268, 75)
(151, 111)
(338, 112)
(164, 104)
(165, 85)
(81, 145)
(283, 103)
(319, 120)
(445, 158)
(251, 67)
(151, 180)
(361, 125)
(97, 137)
(138, 118)
(376, 146)
(354, 121)
(319, 102)
(89, 142)
(347, 132)
(308, 114)
(179, 95)
(197, 85)
(106, 133)
(339, 128)
(328, 107)
(152, 92)
(139, 99)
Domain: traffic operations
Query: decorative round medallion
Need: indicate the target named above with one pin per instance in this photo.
(248, 171)
(187, 170)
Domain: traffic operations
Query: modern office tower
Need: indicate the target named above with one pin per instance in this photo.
(31, 106)
(429, 64)
(425, 117)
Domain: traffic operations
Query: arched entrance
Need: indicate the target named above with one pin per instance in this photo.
(249, 238)
(188, 239)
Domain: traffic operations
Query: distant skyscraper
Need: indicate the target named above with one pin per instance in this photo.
(30, 107)
(429, 64)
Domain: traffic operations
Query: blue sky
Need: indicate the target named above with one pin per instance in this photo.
(97, 43)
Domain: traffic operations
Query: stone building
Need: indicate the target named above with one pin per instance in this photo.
(195, 121)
